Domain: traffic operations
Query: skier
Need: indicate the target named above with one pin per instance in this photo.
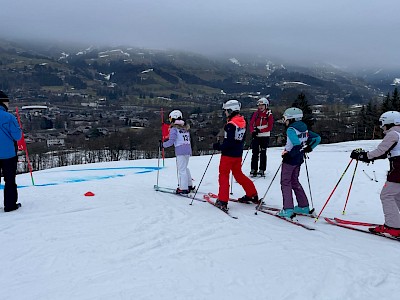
(179, 136)
(261, 124)
(231, 156)
(10, 133)
(300, 140)
(390, 194)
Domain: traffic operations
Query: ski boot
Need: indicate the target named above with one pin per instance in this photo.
(247, 199)
(286, 213)
(261, 173)
(8, 209)
(192, 188)
(221, 205)
(182, 192)
(244, 199)
(253, 173)
(395, 232)
(303, 210)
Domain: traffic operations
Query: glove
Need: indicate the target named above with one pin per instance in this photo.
(360, 154)
(217, 146)
(255, 132)
(307, 149)
(285, 154)
(364, 157)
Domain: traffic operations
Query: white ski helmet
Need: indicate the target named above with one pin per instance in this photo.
(231, 106)
(175, 114)
(263, 100)
(293, 113)
(390, 117)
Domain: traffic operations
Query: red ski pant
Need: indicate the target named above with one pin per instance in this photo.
(234, 164)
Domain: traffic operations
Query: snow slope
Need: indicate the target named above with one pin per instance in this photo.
(130, 242)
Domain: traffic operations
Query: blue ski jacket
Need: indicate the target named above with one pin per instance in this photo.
(10, 133)
(297, 137)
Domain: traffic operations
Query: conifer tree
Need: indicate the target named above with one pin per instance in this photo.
(302, 103)
(386, 104)
(391, 102)
(368, 117)
(396, 99)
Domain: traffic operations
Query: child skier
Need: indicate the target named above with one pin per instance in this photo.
(299, 141)
(390, 194)
(231, 156)
(179, 136)
(261, 124)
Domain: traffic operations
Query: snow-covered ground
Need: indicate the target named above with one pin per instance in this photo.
(130, 242)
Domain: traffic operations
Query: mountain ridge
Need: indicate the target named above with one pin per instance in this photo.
(140, 72)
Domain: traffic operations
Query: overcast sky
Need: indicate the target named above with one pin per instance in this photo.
(342, 32)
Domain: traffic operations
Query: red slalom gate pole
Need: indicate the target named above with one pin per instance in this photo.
(24, 146)
(316, 219)
(162, 135)
(351, 185)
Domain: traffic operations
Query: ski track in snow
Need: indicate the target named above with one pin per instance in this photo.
(131, 242)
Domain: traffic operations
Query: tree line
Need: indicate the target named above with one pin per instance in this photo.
(368, 118)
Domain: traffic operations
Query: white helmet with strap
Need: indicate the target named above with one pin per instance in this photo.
(232, 105)
(175, 114)
(390, 117)
(263, 100)
(293, 113)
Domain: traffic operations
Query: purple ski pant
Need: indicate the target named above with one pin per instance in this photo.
(289, 182)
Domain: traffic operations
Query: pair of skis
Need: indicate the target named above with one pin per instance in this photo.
(206, 197)
(209, 198)
(173, 191)
(347, 224)
(358, 226)
(273, 211)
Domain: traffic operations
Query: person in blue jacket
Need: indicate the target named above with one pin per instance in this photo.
(10, 133)
(300, 140)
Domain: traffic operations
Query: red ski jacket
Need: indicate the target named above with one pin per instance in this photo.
(263, 120)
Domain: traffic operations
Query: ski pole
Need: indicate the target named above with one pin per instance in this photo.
(202, 178)
(316, 219)
(231, 184)
(351, 184)
(177, 172)
(158, 161)
(308, 179)
(369, 177)
(375, 176)
(247, 152)
(261, 199)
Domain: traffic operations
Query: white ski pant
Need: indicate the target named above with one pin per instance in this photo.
(185, 178)
(390, 198)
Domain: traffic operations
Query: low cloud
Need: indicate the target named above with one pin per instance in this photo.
(356, 33)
